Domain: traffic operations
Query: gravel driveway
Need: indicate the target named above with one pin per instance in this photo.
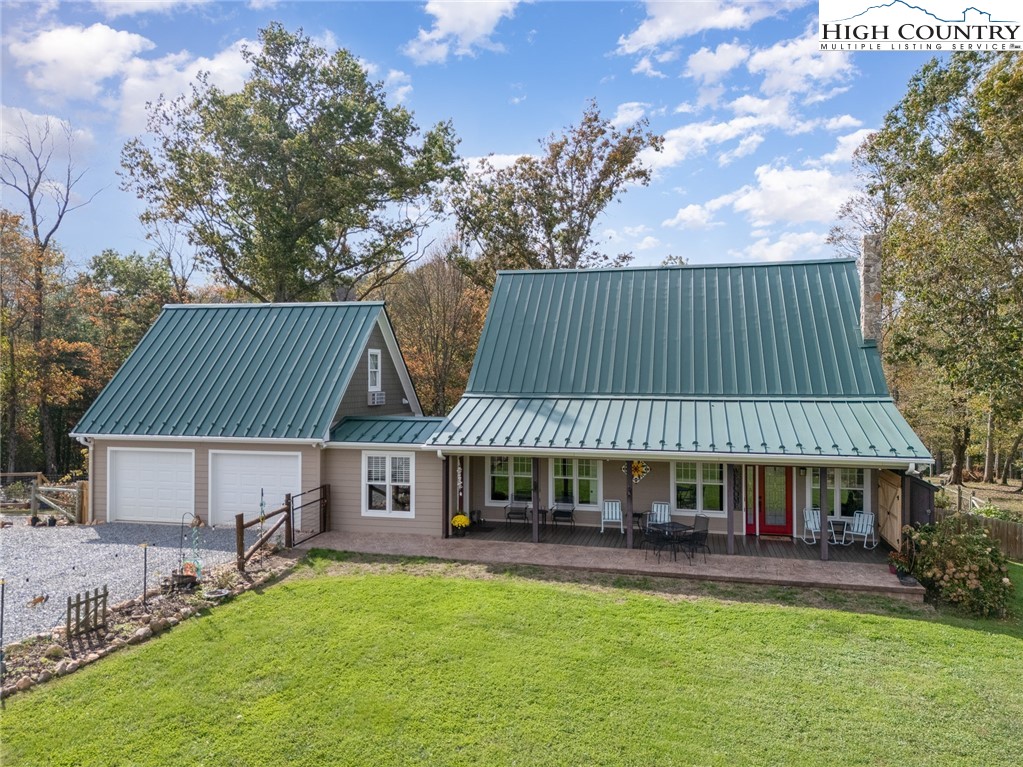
(62, 561)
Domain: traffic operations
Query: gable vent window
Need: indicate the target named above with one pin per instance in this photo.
(374, 372)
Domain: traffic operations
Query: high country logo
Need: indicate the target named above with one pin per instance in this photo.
(901, 25)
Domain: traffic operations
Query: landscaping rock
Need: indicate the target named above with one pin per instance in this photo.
(159, 624)
(92, 657)
(54, 652)
(72, 667)
(44, 676)
(173, 620)
(141, 635)
(61, 667)
(24, 683)
(14, 648)
(118, 643)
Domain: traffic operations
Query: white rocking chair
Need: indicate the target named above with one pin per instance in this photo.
(611, 513)
(659, 514)
(812, 526)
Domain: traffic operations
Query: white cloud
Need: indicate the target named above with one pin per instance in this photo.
(648, 243)
(19, 123)
(845, 146)
(111, 9)
(693, 217)
(459, 28)
(842, 123)
(798, 66)
(788, 246)
(171, 76)
(645, 67)
(497, 161)
(261, 5)
(398, 85)
(629, 113)
(747, 146)
(636, 231)
(792, 196)
(710, 66)
(669, 21)
(75, 61)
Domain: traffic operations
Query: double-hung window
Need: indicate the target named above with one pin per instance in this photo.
(699, 487)
(373, 363)
(388, 485)
(846, 488)
(576, 481)
(509, 479)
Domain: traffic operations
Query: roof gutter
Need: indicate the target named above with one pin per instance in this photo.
(769, 459)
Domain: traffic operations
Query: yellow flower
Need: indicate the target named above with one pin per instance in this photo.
(460, 521)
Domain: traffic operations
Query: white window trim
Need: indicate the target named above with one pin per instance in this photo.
(868, 484)
(699, 491)
(511, 481)
(575, 482)
(368, 512)
(374, 354)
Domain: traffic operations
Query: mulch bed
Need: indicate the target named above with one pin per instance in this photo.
(44, 656)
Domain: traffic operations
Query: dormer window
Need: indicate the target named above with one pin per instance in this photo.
(374, 370)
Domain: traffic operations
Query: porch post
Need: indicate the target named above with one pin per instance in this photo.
(825, 527)
(447, 498)
(730, 505)
(536, 500)
(628, 506)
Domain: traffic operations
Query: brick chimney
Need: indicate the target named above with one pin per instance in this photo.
(870, 288)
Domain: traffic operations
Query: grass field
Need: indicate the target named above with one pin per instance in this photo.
(365, 662)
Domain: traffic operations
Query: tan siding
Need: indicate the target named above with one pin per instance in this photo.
(342, 470)
(309, 453)
(355, 400)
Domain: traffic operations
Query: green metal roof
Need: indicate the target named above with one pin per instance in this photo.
(788, 329)
(385, 430)
(742, 360)
(236, 371)
(831, 428)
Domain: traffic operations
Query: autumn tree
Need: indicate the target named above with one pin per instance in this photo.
(303, 185)
(438, 315)
(540, 212)
(37, 166)
(941, 182)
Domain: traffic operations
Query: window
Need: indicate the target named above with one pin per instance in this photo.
(509, 479)
(575, 481)
(374, 369)
(388, 488)
(846, 488)
(700, 487)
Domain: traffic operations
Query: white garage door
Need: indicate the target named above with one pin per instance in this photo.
(236, 480)
(150, 485)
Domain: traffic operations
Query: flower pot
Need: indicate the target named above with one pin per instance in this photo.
(893, 569)
(458, 532)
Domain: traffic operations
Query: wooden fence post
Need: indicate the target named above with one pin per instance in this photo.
(239, 540)
(34, 499)
(289, 537)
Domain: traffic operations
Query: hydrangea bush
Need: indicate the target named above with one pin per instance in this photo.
(958, 563)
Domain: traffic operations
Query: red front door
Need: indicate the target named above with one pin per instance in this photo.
(774, 502)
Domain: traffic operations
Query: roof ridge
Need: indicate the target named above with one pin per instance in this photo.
(671, 267)
(284, 305)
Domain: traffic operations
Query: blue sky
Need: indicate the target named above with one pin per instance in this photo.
(759, 125)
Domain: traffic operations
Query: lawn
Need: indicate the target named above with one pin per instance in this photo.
(358, 663)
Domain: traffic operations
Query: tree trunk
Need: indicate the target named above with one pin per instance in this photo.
(989, 448)
(1010, 457)
(960, 443)
(11, 406)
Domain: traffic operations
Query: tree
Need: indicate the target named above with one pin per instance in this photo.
(539, 213)
(438, 316)
(30, 169)
(943, 186)
(303, 185)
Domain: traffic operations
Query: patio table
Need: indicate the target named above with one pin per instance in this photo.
(674, 531)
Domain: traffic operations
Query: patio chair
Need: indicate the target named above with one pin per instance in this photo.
(697, 539)
(657, 540)
(517, 510)
(812, 526)
(659, 514)
(612, 513)
(564, 510)
(862, 526)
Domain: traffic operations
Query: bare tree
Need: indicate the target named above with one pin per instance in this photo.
(32, 166)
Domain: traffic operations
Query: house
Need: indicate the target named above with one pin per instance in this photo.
(226, 409)
(746, 392)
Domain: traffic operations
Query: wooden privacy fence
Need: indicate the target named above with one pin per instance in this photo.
(1008, 534)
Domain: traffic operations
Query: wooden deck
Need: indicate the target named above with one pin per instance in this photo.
(750, 546)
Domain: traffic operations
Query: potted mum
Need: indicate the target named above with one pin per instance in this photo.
(898, 563)
(459, 524)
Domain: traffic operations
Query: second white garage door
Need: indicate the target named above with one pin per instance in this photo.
(237, 478)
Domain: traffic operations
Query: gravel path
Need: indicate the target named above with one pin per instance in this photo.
(63, 561)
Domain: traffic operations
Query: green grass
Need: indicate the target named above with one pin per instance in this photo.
(407, 665)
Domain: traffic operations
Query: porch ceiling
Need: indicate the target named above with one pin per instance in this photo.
(853, 430)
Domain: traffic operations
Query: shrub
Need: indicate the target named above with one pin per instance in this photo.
(958, 563)
(993, 512)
